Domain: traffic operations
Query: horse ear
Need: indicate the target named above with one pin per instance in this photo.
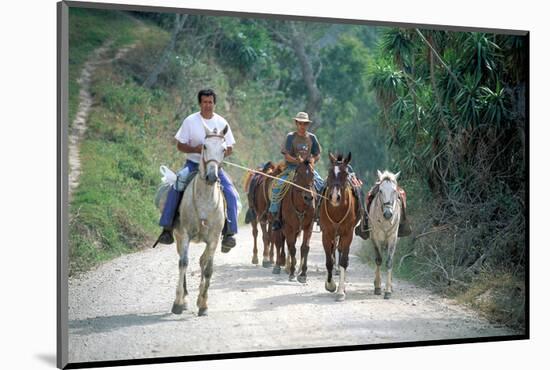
(379, 174)
(348, 158)
(331, 157)
(225, 129)
(397, 175)
(207, 129)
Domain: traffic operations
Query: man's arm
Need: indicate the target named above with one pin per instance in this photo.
(186, 148)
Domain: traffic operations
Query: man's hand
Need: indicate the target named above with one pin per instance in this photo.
(228, 151)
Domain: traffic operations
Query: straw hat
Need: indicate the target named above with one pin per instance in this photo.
(302, 117)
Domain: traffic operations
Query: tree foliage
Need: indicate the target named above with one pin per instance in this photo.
(454, 106)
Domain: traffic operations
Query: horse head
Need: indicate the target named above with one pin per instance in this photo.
(388, 192)
(337, 177)
(212, 154)
(304, 178)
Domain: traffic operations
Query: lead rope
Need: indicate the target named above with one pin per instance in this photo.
(345, 216)
(273, 177)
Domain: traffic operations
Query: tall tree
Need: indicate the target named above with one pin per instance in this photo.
(179, 22)
(295, 36)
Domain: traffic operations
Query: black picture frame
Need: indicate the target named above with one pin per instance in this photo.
(63, 173)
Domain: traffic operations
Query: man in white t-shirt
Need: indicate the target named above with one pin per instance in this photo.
(190, 138)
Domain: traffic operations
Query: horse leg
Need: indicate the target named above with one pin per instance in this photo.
(304, 252)
(207, 268)
(328, 245)
(389, 265)
(343, 262)
(377, 277)
(271, 244)
(180, 303)
(279, 242)
(254, 223)
(291, 243)
(334, 251)
(265, 239)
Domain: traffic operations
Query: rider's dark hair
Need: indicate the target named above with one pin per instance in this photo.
(206, 92)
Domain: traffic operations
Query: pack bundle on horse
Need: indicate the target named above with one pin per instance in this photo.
(384, 220)
(202, 215)
(258, 189)
(339, 213)
(297, 214)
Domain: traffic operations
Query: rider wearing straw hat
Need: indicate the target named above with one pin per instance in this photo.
(298, 146)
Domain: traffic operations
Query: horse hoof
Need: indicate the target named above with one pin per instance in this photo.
(377, 291)
(340, 297)
(302, 279)
(276, 269)
(291, 277)
(387, 295)
(255, 260)
(266, 264)
(331, 287)
(203, 311)
(177, 309)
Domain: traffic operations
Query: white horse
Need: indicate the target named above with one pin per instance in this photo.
(384, 218)
(202, 215)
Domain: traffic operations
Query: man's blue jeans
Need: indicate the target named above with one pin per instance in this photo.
(174, 198)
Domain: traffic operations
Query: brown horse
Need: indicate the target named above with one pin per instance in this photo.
(297, 214)
(258, 201)
(338, 216)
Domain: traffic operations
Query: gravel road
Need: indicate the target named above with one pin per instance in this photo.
(121, 310)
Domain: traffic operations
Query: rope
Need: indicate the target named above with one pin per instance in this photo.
(348, 195)
(274, 177)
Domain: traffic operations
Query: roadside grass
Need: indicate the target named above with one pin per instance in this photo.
(88, 30)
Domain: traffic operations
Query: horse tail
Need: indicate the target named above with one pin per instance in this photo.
(247, 180)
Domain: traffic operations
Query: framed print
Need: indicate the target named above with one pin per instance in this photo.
(240, 184)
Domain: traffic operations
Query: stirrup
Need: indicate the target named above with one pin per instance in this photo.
(404, 229)
(250, 215)
(165, 237)
(363, 234)
(228, 243)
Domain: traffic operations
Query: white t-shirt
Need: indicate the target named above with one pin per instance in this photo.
(192, 132)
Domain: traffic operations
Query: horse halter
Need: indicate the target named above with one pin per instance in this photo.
(304, 192)
(204, 147)
(390, 204)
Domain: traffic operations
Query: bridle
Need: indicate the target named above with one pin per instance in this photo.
(218, 163)
(301, 214)
(347, 194)
(391, 204)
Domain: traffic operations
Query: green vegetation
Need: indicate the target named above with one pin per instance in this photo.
(454, 106)
(88, 30)
(446, 109)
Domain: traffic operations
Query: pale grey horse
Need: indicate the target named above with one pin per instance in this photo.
(384, 217)
(202, 215)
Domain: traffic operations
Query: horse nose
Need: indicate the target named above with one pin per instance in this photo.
(308, 198)
(211, 178)
(387, 214)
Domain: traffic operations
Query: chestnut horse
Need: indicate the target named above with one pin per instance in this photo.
(339, 213)
(258, 201)
(297, 214)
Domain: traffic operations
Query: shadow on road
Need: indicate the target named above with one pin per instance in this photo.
(104, 324)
